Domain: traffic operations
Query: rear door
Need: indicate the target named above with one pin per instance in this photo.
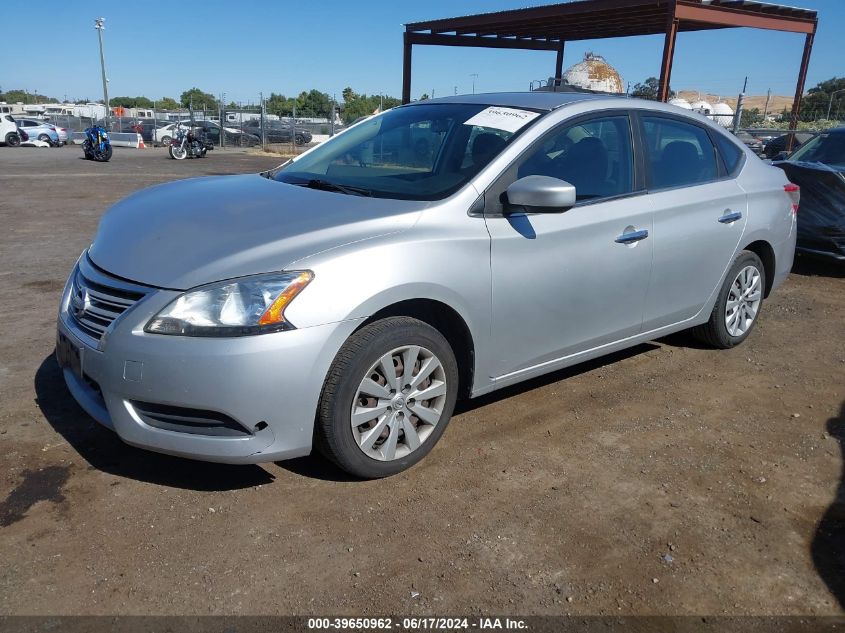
(700, 213)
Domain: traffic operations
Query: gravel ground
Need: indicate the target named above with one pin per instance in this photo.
(668, 479)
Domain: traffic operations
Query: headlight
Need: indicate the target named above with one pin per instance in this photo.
(239, 307)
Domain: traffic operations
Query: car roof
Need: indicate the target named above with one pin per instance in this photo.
(534, 100)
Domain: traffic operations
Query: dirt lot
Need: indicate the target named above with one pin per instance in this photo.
(669, 479)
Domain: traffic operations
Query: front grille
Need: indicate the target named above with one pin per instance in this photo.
(94, 306)
(185, 420)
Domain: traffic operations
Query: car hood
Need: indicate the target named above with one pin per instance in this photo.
(192, 232)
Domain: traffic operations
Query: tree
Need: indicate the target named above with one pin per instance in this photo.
(167, 103)
(815, 103)
(198, 99)
(424, 97)
(649, 89)
(24, 96)
(313, 104)
(130, 102)
(750, 118)
(357, 105)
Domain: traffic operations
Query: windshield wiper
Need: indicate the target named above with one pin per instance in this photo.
(325, 185)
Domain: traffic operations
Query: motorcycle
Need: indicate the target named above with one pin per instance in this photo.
(186, 144)
(96, 145)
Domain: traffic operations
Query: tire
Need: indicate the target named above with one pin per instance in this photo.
(299, 140)
(104, 156)
(13, 139)
(393, 449)
(744, 287)
(46, 139)
(178, 153)
(165, 141)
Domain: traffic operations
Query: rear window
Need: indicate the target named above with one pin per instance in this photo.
(729, 152)
(680, 153)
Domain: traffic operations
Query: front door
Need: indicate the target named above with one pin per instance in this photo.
(567, 282)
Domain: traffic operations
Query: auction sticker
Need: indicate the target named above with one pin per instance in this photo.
(498, 118)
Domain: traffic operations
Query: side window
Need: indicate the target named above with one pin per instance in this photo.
(593, 155)
(729, 152)
(679, 153)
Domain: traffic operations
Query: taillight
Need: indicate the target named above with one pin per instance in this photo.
(794, 192)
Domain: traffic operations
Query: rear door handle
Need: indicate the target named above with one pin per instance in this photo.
(730, 217)
(633, 236)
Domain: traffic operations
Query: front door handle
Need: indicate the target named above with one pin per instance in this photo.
(730, 216)
(633, 236)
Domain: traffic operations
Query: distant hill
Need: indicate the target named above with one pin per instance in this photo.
(776, 104)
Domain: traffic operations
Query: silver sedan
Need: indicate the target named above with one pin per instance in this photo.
(440, 250)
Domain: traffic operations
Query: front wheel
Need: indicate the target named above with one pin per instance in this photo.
(738, 305)
(387, 398)
(104, 156)
(178, 152)
(13, 139)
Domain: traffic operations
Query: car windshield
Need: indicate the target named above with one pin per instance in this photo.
(421, 152)
(825, 148)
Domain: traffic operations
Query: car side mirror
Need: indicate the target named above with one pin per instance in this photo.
(540, 194)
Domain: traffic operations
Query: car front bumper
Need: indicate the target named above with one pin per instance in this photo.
(268, 384)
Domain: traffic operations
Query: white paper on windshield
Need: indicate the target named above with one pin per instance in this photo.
(498, 118)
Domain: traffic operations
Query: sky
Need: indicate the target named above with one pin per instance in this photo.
(242, 47)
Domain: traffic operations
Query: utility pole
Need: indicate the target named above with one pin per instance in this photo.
(263, 136)
(100, 25)
(474, 77)
(739, 102)
(293, 129)
(766, 107)
(830, 103)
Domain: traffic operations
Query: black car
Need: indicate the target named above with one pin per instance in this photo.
(818, 168)
(752, 142)
(778, 145)
(230, 137)
(277, 131)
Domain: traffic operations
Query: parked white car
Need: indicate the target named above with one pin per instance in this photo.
(9, 130)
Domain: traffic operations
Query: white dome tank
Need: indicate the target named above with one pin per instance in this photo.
(594, 73)
(681, 103)
(723, 114)
(702, 106)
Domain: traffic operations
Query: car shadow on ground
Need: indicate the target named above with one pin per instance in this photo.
(103, 450)
(828, 547)
(465, 406)
(315, 466)
(809, 266)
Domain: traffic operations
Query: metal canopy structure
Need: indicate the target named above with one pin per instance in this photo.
(548, 28)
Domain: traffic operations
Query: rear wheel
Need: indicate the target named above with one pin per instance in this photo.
(387, 398)
(165, 140)
(45, 138)
(738, 305)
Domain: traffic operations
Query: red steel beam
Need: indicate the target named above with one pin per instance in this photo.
(483, 42)
(668, 52)
(736, 17)
(799, 88)
(406, 69)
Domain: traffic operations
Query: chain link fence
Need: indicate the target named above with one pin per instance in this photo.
(245, 126)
